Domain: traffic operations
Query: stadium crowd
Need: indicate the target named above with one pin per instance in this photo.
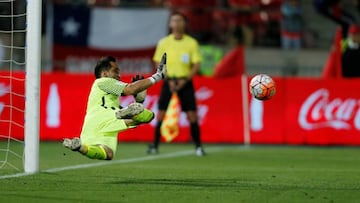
(263, 23)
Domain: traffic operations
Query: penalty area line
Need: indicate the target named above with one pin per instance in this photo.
(129, 160)
(122, 161)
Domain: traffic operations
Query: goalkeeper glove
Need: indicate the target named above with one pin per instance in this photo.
(161, 70)
(139, 97)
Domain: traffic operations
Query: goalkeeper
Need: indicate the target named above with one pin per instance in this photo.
(104, 118)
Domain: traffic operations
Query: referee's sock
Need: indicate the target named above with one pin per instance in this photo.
(157, 134)
(153, 148)
(195, 133)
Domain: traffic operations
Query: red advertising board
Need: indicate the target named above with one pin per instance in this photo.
(12, 104)
(71, 93)
(303, 111)
(326, 111)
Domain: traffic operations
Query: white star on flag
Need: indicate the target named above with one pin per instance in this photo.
(70, 27)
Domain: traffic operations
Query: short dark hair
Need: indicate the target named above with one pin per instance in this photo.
(103, 64)
(174, 13)
(238, 34)
(178, 13)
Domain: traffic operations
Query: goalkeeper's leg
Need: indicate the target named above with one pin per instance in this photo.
(135, 114)
(144, 117)
(101, 152)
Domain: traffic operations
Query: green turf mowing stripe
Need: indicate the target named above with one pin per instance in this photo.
(123, 161)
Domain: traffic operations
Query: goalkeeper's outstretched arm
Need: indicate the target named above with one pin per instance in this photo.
(139, 97)
(138, 86)
(141, 85)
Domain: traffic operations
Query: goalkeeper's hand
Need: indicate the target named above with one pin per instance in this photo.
(161, 70)
(137, 77)
(139, 97)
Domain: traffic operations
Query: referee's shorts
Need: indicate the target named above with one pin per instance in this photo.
(186, 96)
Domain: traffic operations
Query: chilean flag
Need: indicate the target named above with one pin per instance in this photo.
(81, 35)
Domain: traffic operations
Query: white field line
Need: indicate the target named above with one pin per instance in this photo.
(122, 161)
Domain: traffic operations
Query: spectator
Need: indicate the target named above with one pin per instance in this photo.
(333, 10)
(291, 24)
(233, 62)
(350, 48)
(243, 10)
(104, 3)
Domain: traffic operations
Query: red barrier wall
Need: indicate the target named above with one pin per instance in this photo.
(304, 111)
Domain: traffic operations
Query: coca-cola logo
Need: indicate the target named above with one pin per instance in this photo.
(319, 111)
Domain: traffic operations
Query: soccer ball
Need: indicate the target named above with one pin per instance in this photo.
(262, 87)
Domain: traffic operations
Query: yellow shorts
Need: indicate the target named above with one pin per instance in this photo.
(102, 127)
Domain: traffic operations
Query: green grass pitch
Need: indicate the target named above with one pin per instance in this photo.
(229, 173)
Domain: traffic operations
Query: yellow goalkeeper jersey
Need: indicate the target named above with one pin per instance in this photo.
(105, 93)
(100, 124)
(181, 55)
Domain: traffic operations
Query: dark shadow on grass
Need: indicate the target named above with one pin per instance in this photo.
(31, 198)
(230, 184)
(180, 182)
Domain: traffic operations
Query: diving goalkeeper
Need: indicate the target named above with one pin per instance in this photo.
(104, 117)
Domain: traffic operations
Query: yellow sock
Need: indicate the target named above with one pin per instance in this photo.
(94, 152)
(144, 117)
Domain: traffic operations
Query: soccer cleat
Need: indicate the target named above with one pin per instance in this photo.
(152, 150)
(199, 151)
(129, 111)
(73, 144)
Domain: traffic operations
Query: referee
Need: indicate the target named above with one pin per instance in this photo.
(183, 63)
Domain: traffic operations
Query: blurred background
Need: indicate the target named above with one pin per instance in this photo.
(67, 25)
